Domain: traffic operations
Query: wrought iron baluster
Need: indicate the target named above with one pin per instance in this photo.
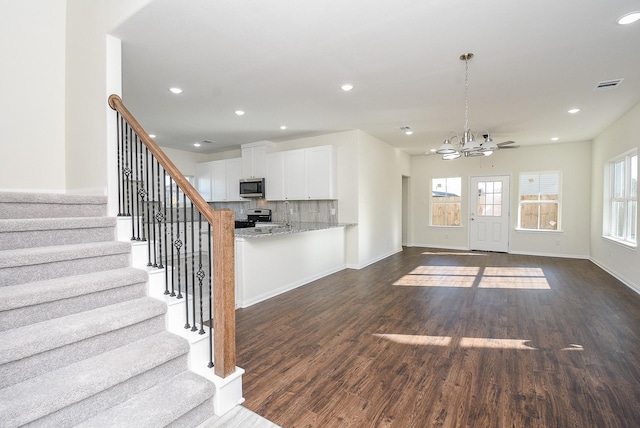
(200, 273)
(186, 263)
(193, 274)
(210, 303)
(129, 174)
(136, 175)
(178, 242)
(166, 232)
(172, 208)
(142, 192)
(153, 218)
(159, 217)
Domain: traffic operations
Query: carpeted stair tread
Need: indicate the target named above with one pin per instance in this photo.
(187, 391)
(34, 293)
(28, 340)
(41, 224)
(40, 255)
(52, 198)
(37, 232)
(87, 379)
(38, 205)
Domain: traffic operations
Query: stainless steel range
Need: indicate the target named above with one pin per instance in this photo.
(254, 215)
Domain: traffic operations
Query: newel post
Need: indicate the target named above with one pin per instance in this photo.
(224, 304)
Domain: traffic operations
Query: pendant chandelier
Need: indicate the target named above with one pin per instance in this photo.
(467, 145)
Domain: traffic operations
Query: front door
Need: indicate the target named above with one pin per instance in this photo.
(489, 213)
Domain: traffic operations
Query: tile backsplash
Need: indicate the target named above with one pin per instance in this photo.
(322, 211)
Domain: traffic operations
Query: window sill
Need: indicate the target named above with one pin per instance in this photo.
(624, 244)
(538, 231)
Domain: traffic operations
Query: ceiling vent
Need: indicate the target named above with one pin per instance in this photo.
(609, 84)
(208, 142)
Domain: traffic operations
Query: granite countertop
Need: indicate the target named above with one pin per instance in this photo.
(265, 229)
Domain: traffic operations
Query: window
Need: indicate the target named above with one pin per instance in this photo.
(621, 197)
(489, 199)
(539, 202)
(446, 201)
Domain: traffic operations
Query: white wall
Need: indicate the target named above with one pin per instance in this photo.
(54, 117)
(33, 107)
(87, 89)
(185, 161)
(380, 171)
(618, 138)
(573, 160)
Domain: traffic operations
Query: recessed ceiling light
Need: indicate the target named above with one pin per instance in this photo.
(239, 112)
(346, 87)
(629, 18)
(152, 135)
(196, 144)
(408, 132)
(283, 127)
(573, 110)
(176, 90)
(432, 150)
(555, 138)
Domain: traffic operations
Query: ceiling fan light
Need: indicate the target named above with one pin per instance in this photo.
(451, 156)
(487, 152)
(489, 144)
(446, 148)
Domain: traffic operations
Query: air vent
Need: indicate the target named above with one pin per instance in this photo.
(609, 84)
(208, 142)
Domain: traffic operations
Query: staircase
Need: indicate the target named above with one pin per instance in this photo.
(81, 343)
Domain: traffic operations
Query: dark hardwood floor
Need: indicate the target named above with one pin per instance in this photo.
(431, 338)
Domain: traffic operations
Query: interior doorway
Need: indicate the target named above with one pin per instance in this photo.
(489, 213)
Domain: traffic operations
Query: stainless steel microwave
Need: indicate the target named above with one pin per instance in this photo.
(252, 187)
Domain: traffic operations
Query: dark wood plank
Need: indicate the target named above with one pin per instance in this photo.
(353, 349)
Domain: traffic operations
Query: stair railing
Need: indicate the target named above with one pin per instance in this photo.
(191, 241)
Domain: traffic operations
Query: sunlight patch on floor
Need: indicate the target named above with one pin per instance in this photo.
(519, 278)
(465, 342)
(413, 339)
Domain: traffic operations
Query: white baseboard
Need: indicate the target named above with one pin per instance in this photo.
(564, 256)
(374, 260)
(288, 287)
(626, 281)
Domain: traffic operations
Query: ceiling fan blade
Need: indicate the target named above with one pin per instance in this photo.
(508, 147)
(505, 143)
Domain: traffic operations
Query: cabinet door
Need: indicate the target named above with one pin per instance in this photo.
(295, 177)
(233, 173)
(321, 172)
(274, 178)
(254, 161)
(203, 180)
(218, 181)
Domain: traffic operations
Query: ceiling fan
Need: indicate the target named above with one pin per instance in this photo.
(504, 144)
(468, 145)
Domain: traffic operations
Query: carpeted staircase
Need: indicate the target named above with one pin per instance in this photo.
(80, 341)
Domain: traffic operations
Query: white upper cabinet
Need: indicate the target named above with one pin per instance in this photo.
(274, 178)
(218, 181)
(254, 159)
(302, 174)
(203, 180)
(295, 175)
(321, 172)
(233, 174)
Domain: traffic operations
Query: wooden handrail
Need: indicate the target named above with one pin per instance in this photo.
(223, 254)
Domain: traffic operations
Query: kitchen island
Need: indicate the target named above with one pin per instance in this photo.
(272, 259)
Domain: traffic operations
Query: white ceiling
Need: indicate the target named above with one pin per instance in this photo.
(283, 61)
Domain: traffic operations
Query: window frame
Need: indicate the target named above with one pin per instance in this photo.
(610, 198)
(432, 200)
(557, 202)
